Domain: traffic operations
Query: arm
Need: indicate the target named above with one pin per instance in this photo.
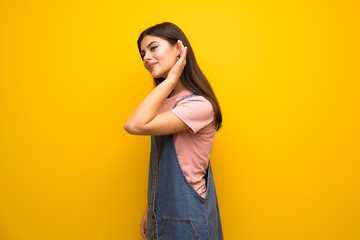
(145, 121)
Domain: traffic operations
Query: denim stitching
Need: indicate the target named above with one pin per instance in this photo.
(185, 220)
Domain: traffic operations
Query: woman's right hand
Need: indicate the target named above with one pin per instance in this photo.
(143, 225)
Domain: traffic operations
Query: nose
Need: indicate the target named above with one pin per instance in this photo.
(147, 56)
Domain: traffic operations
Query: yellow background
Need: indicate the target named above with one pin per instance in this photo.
(286, 162)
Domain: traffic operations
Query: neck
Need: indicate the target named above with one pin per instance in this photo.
(178, 88)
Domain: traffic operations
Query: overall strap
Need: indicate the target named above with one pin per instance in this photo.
(185, 97)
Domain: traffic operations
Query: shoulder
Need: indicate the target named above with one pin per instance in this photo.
(193, 98)
(196, 112)
(195, 104)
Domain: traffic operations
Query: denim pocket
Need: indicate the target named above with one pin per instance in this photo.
(180, 229)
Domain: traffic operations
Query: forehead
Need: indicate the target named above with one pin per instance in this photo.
(148, 39)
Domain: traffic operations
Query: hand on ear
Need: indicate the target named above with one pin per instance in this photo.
(177, 69)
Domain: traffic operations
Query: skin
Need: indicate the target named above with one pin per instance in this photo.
(160, 59)
(143, 225)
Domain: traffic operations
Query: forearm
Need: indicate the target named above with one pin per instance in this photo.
(148, 108)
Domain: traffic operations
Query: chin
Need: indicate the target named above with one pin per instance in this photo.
(159, 75)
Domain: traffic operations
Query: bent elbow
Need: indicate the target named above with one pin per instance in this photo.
(130, 128)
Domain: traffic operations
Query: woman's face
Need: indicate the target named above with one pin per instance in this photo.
(159, 55)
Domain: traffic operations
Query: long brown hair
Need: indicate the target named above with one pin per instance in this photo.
(192, 76)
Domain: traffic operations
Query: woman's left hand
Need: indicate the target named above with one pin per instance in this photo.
(178, 68)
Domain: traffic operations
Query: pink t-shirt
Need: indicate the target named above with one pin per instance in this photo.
(193, 146)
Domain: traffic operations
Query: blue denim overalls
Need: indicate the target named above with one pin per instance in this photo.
(175, 210)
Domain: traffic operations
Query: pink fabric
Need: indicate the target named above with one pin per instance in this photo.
(193, 146)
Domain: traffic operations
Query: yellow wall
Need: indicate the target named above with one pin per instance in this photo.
(286, 162)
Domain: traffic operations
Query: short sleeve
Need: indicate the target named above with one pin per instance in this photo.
(196, 112)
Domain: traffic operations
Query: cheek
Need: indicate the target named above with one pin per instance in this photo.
(165, 55)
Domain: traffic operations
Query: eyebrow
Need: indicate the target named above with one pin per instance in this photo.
(142, 50)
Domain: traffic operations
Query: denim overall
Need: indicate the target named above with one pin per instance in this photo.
(175, 210)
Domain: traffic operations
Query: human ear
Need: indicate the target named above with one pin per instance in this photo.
(177, 48)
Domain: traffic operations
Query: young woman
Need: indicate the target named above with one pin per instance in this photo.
(182, 115)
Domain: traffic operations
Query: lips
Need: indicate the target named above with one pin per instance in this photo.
(152, 65)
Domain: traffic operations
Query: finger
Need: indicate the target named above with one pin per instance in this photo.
(182, 56)
(183, 49)
(181, 45)
(143, 230)
(143, 233)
